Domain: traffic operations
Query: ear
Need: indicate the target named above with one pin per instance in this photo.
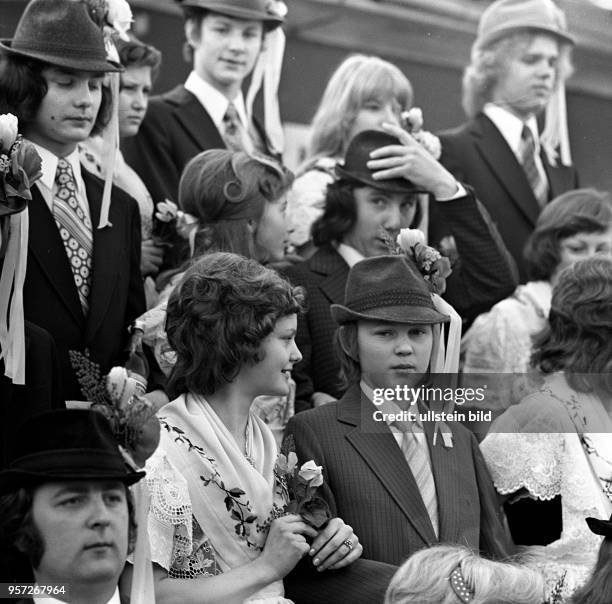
(192, 32)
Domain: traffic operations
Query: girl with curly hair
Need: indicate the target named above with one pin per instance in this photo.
(551, 455)
(216, 523)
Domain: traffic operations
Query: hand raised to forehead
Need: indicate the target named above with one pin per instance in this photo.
(411, 161)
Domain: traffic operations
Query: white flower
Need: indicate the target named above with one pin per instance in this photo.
(276, 7)
(430, 141)
(287, 464)
(121, 388)
(408, 238)
(8, 131)
(414, 117)
(119, 15)
(166, 211)
(312, 473)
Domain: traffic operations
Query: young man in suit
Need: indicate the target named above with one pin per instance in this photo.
(224, 42)
(67, 516)
(375, 195)
(520, 61)
(385, 473)
(83, 282)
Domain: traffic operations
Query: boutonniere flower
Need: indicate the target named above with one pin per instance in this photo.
(276, 8)
(301, 484)
(412, 121)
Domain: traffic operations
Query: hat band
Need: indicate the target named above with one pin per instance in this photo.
(66, 49)
(396, 297)
(64, 462)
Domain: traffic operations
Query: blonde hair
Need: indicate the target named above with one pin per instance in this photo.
(358, 79)
(424, 579)
(488, 65)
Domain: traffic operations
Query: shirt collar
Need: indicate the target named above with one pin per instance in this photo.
(511, 126)
(114, 599)
(49, 166)
(213, 101)
(349, 254)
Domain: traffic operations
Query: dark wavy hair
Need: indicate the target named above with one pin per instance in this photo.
(218, 316)
(347, 352)
(578, 211)
(578, 339)
(23, 87)
(340, 213)
(19, 535)
(135, 53)
(598, 588)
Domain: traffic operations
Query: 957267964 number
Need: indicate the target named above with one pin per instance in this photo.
(31, 590)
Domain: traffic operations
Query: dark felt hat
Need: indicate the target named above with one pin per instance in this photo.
(252, 10)
(62, 33)
(387, 288)
(600, 527)
(66, 444)
(357, 156)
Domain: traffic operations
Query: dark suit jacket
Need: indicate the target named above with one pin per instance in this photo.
(368, 482)
(175, 129)
(483, 275)
(477, 153)
(117, 297)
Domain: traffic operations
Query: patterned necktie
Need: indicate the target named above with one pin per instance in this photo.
(235, 136)
(414, 449)
(75, 230)
(527, 153)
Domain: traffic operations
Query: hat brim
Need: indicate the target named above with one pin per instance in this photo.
(80, 64)
(412, 315)
(600, 527)
(11, 480)
(391, 185)
(270, 21)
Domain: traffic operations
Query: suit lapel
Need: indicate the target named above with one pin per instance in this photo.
(48, 249)
(328, 262)
(105, 271)
(374, 442)
(503, 163)
(195, 120)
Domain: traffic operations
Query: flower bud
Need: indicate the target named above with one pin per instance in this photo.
(312, 473)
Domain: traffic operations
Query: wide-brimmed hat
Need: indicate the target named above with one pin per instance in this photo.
(253, 10)
(508, 16)
(600, 527)
(355, 169)
(66, 444)
(62, 33)
(387, 288)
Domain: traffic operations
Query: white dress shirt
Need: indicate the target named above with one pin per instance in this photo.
(215, 102)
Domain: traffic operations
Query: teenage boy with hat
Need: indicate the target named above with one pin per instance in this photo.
(520, 61)
(225, 42)
(83, 282)
(65, 506)
(375, 195)
(398, 482)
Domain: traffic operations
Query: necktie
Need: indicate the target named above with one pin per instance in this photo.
(75, 230)
(527, 152)
(235, 136)
(414, 450)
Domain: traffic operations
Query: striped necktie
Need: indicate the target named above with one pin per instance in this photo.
(235, 136)
(75, 230)
(414, 448)
(527, 152)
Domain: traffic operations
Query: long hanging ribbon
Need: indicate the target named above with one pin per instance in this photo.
(555, 134)
(12, 332)
(268, 70)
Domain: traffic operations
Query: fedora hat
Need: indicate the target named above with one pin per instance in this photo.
(65, 444)
(387, 288)
(355, 167)
(507, 16)
(252, 10)
(60, 32)
(600, 527)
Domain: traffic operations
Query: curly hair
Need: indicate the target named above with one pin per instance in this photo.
(424, 579)
(340, 213)
(23, 88)
(357, 80)
(218, 316)
(135, 53)
(19, 533)
(488, 65)
(578, 339)
(226, 191)
(578, 211)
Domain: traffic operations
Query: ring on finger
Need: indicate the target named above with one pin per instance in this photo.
(348, 543)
